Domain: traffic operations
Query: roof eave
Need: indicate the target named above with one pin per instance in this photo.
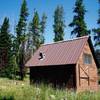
(93, 51)
(50, 65)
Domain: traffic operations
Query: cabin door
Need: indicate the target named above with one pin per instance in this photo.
(84, 76)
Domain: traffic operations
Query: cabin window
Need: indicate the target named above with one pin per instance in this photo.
(87, 58)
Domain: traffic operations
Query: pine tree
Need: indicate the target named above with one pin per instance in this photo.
(43, 26)
(35, 34)
(13, 66)
(5, 48)
(5, 42)
(97, 31)
(34, 31)
(21, 38)
(80, 28)
(59, 23)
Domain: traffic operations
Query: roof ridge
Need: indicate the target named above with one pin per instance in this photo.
(66, 40)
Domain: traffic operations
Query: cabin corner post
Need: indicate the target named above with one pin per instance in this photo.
(77, 77)
(31, 76)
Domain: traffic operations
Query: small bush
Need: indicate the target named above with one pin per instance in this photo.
(7, 98)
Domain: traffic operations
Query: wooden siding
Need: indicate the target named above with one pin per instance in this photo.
(86, 74)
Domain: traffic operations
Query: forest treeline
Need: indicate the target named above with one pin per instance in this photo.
(16, 49)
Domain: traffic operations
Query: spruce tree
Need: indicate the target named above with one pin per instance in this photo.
(5, 41)
(59, 23)
(34, 31)
(21, 38)
(13, 66)
(80, 28)
(43, 26)
(35, 34)
(5, 48)
(97, 31)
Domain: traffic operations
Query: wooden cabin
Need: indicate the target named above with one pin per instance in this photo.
(70, 64)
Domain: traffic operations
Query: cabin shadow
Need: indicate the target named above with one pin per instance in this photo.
(62, 76)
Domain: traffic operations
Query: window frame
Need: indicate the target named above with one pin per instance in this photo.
(87, 58)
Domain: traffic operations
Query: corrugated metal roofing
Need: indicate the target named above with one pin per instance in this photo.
(65, 52)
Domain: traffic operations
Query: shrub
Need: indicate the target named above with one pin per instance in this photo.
(7, 98)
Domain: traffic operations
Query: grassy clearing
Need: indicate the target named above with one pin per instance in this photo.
(18, 90)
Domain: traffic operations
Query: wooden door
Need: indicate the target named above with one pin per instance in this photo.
(84, 76)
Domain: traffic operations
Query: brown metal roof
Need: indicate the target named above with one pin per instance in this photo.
(60, 53)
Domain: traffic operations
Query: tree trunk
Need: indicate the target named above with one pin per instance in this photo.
(22, 61)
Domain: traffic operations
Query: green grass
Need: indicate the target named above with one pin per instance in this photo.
(21, 90)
